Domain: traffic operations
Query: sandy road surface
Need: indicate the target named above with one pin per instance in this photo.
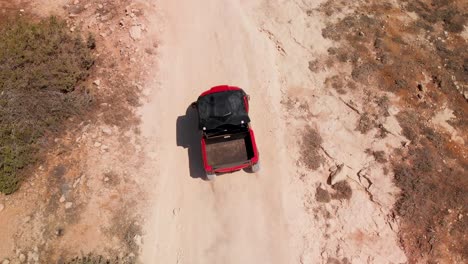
(277, 215)
(239, 218)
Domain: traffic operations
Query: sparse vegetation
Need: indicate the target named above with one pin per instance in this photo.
(342, 191)
(322, 195)
(379, 156)
(41, 65)
(98, 259)
(423, 62)
(365, 123)
(310, 152)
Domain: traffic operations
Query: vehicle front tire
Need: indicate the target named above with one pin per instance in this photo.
(211, 176)
(256, 167)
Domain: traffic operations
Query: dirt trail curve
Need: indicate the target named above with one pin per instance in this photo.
(238, 218)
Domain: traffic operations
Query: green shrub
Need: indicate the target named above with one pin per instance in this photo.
(40, 67)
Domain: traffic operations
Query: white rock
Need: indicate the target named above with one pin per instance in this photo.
(100, 6)
(106, 179)
(106, 131)
(68, 205)
(339, 174)
(138, 240)
(97, 82)
(35, 256)
(135, 32)
(77, 181)
(62, 199)
(97, 144)
(2, 206)
(22, 258)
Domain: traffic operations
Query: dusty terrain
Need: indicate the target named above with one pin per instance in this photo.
(360, 114)
(274, 216)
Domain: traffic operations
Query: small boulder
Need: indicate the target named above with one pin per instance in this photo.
(59, 232)
(68, 205)
(33, 257)
(337, 174)
(22, 258)
(106, 131)
(135, 32)
(138, 240)
(77, 181)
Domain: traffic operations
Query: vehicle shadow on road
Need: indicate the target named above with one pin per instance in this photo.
(189, 137)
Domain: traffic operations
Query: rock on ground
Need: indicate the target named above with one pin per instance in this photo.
(135, 32)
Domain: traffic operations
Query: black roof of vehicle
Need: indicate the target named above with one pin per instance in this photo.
(226, 108)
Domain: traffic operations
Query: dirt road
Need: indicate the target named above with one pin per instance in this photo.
(238, 218)
(269, 217)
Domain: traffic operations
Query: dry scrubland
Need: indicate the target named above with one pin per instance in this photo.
(409, 55)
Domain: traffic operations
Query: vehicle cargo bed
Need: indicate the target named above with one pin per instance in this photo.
(226, 152)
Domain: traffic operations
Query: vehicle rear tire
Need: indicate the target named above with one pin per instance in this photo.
(211, 176)
(256, 167)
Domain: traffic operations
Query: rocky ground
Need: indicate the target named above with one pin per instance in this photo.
(360, 115)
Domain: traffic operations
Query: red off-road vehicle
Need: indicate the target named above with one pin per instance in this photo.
(228, 141)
